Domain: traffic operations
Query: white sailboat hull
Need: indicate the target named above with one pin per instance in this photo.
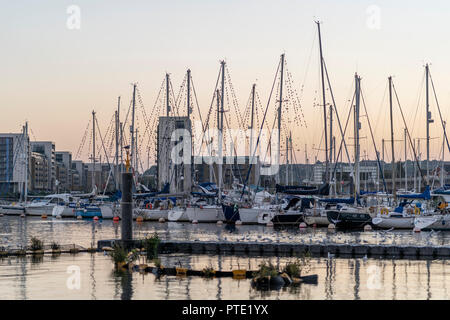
(396, 223)
(39, 210)
(205, 214)
(150, 214)
(249, 215)
(12, 209)
(438, 222)
(178, 215)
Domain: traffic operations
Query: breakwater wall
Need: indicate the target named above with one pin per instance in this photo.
(295, 249)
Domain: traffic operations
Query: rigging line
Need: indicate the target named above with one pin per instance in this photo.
(381, 109)
(309, 61)
(106, 155)
(126, 118)
(409, 137)
(198, 106)
(439, 109)
(205, 131)
(260, 130)
(343, 137)
(173, 98)
(155, 112)
(337, 114)
(374, 145)
(83, 140)
(235, 152)
(418, 100)
(146, 119)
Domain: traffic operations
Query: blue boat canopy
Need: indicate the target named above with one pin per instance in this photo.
(424, 195)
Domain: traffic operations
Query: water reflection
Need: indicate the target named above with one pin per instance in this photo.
(16, 231)
(28, 278)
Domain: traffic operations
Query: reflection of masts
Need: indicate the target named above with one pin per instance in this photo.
(93, 264)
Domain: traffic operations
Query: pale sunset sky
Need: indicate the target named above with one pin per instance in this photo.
(54, 76)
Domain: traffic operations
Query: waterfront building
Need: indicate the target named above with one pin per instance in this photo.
(47, 148)
(38, 172)
(14, 149)
(64, 170)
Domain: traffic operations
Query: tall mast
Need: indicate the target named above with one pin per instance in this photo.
(428, 120)
(415, 171)
(117, 117)
(167, 94)
(279, 115)
(357, 127)
(287, 160)
(121, 146)
(324, 102)
(220, 127)
(251, 125)
(93, 149)
(420, 160)
(394, 190)
(443, 157)
(132, 126)
(136, 151)
(330, 157)
(27, 150)
(406, 163)
(188, 98)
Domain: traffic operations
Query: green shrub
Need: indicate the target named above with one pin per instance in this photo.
(266, 269)
(118, 254)
(294, 269)
(208, 272)
(151, 246)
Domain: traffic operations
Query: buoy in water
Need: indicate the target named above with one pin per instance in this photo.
(417, 229)
(162, 220)
(238, 222)
(194, 221)
(116, 219)
(302, 225)
(139, 219)
(331, 226)
(95, 218)
(44, 216)
(1, 214)
(220, 222)
(22, 215)
(314, 225)
(269, 224)
(367, 227)
(58, 216)
(79, 217)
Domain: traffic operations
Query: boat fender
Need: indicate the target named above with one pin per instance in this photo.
(384, 211)
(416, 210)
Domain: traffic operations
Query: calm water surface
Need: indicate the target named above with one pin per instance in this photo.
(46, 278)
